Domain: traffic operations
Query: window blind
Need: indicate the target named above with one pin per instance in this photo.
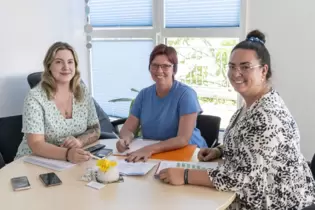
(120, 13)
(202, 13)
(118, 66)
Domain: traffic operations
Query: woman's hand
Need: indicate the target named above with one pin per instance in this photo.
(173, 176)
(142, 154)
(122, 145)
(76, 155)
(72, 142)
(208, 154)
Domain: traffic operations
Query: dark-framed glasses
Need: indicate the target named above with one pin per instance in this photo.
(164, 67)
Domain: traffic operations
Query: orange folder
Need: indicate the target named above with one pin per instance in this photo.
(182, 154)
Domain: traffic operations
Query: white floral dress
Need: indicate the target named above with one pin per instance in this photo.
(41, 116)
(263, 162)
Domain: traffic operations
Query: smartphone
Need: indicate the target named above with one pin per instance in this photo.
(95, 148)
(20, 183)
(50, 179)
(103, 153)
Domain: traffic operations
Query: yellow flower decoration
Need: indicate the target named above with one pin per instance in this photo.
(105, 164)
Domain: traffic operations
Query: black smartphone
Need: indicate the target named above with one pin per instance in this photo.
(20, 183)
(95, 148)
(103, 153)
(50, 179)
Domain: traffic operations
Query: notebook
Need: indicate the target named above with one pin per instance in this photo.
(134, 169)
(189, 165)
(182, 154)
(135, 145)
(57, 165)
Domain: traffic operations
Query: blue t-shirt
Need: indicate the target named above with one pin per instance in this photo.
(159, 117)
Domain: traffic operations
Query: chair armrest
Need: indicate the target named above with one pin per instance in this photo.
(118, 122)
(107, 135)
(311, 207)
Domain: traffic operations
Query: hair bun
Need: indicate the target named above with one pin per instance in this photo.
(256, 34)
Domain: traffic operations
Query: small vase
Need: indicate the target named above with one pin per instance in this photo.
(111, 175)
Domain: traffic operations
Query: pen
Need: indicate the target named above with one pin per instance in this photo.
(126, 145)
(95, 157)
(116, 135)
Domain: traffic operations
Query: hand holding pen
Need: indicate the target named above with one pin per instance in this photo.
(122, 145)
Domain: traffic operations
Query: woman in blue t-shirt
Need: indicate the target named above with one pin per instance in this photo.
(167, 111)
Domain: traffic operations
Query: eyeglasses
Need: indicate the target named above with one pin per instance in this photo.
(164, 67)
(242, 68)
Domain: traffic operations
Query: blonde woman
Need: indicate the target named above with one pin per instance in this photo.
(59, 116)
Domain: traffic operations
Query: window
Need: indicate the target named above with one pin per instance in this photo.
(202, 65)
(117, 69)
(120, 13)
(125, 32)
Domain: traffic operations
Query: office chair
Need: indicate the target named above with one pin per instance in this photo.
(109, 130)
(2, 163)
(312, 165)
(311, 207)
(209, 127)
(10, 137)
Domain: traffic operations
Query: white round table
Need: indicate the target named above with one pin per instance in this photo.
(135, 193)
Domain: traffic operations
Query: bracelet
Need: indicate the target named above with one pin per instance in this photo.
(186, 176)
(67, 152)
(220, 151)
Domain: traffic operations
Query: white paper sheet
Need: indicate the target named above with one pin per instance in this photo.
(188, 165)
(135, 145)
(57, 165)
(95, 185)
(134, 169)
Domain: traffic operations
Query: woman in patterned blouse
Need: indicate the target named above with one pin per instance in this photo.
(263, 163)
(59, 116)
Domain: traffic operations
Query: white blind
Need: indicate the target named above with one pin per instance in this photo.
(120, 13)
(202, 13)
(118, 66)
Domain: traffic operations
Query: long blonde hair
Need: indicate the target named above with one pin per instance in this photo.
(48, 82)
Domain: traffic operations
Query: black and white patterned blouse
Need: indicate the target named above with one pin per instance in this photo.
(263, 163)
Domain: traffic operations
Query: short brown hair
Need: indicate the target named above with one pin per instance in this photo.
(169, 52)
(48, 81)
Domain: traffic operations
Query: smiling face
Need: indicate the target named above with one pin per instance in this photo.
(246, 73)
(162, 70)
(63, 66)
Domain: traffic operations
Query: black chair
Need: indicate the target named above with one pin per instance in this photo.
(2, 163)
(108, 129)
(209, 127)
(10, 137)
(312, 165)
(311, 207)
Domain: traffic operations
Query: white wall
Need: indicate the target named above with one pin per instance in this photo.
(28, 28)
(290, 31)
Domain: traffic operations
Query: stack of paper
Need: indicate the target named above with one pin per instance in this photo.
(134, 169)
(188, 165)
(57, 165)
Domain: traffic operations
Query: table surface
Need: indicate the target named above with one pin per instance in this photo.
(143, 192)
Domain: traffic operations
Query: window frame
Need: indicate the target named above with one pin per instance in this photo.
(159, 33)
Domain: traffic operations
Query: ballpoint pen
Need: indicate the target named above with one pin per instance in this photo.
(126, 145)
(95, 157)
